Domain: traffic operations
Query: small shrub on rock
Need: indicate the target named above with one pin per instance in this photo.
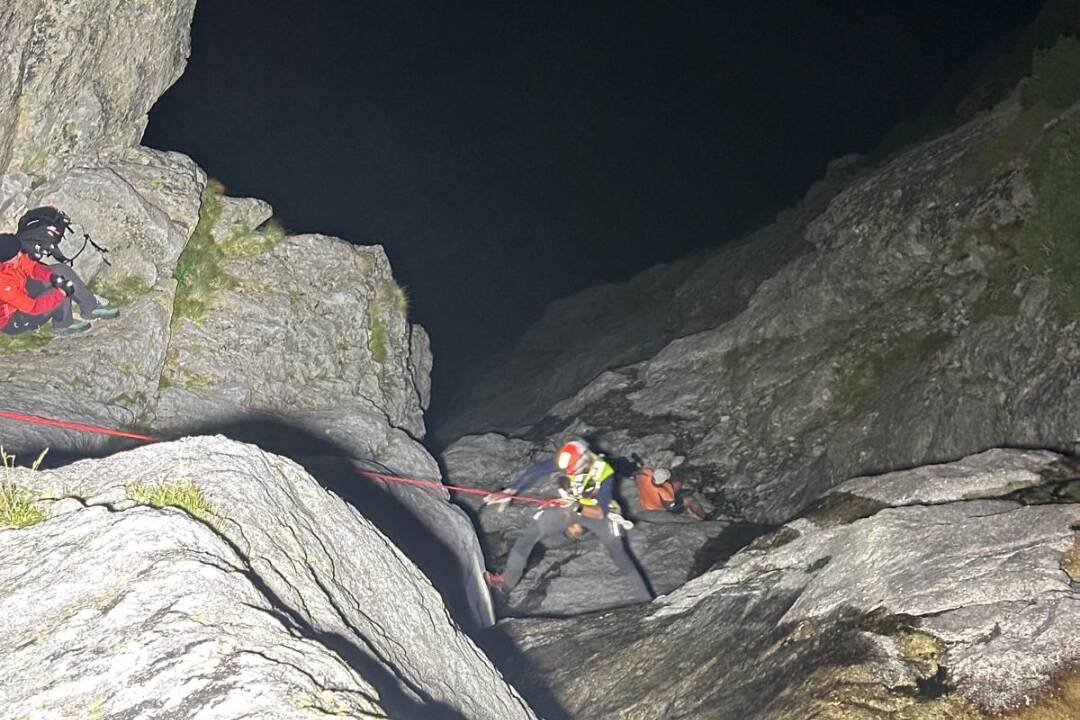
(186, 495)
(198, 269)
(17, 509)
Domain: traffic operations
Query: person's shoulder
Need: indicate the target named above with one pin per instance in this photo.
(15, 264)
(25, 262)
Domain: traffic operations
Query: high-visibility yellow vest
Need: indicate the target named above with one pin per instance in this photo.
(589, 482)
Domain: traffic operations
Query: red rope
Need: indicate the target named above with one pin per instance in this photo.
(453, 488)
(433, 484)
(79, 427)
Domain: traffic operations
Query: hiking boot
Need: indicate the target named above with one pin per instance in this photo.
(105, 313)
(76, 326)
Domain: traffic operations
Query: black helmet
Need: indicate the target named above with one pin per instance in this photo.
(41, 230)
(43, 217)
(9, 246)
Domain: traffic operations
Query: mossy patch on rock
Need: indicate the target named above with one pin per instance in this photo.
(174, 374)
(27, 340)
(1055, 75)
(1012, 147)
(1048, 242)
(377, 340)
(744, 357)
(1053, 86)
(884, 359)
(243, 242)
(393, 296)
(199, 276)
(123, 292)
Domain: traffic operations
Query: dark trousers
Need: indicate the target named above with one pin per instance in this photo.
(61, 316)
(552, 522)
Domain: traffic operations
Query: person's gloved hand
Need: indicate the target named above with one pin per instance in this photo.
(618, 523)
(499, 499)
(62, 283)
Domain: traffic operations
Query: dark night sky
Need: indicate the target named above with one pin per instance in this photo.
(507, 154)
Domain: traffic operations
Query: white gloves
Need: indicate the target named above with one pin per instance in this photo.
(618, 524)
(499, 499)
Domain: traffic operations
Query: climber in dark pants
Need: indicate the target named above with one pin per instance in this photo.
(585, 500)
(33, 293)
(552, 523)
(74, 288)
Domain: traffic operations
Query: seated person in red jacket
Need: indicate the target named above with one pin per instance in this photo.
(33, 293)
(657, 491)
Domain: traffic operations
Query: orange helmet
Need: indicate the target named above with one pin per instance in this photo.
(573, 457)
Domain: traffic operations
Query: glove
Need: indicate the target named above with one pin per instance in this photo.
(62, 283)
(618, 523)
(500, 499)
(565, 499)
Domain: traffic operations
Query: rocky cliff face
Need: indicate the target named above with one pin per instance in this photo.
(630, 322)
(914, 311)
(941, 592)
(923, 311)
(77, 77)
(225, 319)
(206, 578)
(228, 324)
(916, 327)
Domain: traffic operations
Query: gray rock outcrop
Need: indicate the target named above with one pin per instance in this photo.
(960, 601)
(206, 578)
(81, 76)
(311, 324)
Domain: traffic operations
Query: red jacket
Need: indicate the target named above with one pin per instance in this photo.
(13, 296)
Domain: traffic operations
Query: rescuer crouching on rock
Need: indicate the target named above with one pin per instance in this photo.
(657, 491)
(33, 293)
